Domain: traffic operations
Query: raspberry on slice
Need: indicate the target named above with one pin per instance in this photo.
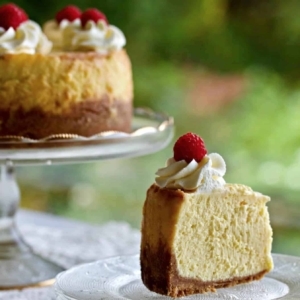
(92, 14)
(188, 147)
(70, 13)
(12, 16)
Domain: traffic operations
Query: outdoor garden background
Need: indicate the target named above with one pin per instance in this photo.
(225, 69)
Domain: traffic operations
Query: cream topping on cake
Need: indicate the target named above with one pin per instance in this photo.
(204, 176)
(53, 31)
(64, 23)
(27, 38)
(98, 37)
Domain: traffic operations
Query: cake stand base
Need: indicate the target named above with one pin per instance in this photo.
(20, 267)
(25, 269)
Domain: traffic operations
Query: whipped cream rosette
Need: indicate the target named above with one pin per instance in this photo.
(87, 31)
(53, 31)
(27, 38)
(191, 168)
(98, 37)
(20, 35)
(204, 176)
(53, 28)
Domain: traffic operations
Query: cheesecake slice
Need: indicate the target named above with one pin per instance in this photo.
(215, 236)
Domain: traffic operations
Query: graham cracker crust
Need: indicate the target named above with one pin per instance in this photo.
(160, 275)
(86, 118)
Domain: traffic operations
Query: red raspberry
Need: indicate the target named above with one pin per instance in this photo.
(92, 14)
(70, 13)
(188, 147)
(12, 16)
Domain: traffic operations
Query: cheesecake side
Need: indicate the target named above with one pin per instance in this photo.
(79, 93)
(191, 243)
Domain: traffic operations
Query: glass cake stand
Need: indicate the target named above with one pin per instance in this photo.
(19, 265)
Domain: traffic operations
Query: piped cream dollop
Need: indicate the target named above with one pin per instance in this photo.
(204, 176)
(27, 38)
(54, 30)
(98, 37)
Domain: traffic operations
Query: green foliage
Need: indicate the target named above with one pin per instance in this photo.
(221, 34)
(258, 134)
(160, 87)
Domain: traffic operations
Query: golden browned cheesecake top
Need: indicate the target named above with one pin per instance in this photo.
(55, 82)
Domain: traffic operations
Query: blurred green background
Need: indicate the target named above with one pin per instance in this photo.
(225, 69)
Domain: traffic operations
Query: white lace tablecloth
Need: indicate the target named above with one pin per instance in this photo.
(71, 246)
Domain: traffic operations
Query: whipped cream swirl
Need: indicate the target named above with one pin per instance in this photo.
(54, 31)
(204, 176)
(98, 37)
(27, 38)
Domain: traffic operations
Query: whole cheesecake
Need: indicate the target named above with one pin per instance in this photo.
(83, 87)
(65, 92)
(199, 233)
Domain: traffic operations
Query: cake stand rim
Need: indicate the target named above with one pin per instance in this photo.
(158, 130)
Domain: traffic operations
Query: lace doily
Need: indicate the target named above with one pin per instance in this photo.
(71, 247)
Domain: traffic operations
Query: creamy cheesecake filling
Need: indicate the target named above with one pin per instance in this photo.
(56, 82)
(228, 235)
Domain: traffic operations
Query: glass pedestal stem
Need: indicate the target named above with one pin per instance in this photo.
(19, 265)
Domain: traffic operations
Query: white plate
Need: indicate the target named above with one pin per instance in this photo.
(120, 278)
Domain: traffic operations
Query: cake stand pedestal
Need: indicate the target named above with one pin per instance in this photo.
(20, 267)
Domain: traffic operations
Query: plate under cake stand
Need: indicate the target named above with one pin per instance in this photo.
(19, 265)
(120, 278)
